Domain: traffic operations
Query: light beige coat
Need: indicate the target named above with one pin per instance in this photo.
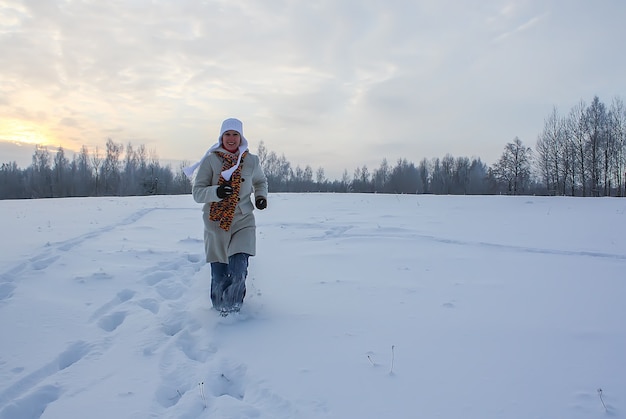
(241, 238)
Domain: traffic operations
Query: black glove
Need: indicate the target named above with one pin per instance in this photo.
(224, 190)
(261, 203)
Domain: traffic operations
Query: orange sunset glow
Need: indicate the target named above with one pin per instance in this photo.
(25, 132)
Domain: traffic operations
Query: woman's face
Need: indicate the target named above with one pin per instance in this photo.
(231, 140)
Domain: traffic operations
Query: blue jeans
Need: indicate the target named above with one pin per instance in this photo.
(228, 282)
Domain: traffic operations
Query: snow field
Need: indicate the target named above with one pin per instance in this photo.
(362, 306)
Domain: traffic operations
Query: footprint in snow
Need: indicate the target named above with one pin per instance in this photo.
(173, 324)
(33, 405)
(154, 278)
(230, 382)
(120, 298)
(170, 290)
(193, 348)
(27, 398)
(6, 291)
(112, 321)
(40, 264)
(150, 304)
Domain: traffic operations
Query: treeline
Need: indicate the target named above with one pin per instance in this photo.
(584, 152)
(117, 171)
(438, 176)
(580, 154)
(126, 171)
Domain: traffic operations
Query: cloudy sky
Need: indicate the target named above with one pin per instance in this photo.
(330, 83)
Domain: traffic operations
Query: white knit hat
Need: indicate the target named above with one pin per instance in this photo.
(230, 124)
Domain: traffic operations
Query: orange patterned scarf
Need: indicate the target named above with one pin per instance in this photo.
(224, 210)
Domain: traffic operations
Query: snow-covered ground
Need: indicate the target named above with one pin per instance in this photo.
(358, 306)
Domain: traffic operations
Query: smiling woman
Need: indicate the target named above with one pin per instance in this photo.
(24, 132)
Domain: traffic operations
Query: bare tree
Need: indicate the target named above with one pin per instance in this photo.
(617, 122)
(111, 168)
(447, 173)
(320, 177)
(61, 176)
(41, 173)
(130, 180)
(424, 175)
(380, 178)
(513, 168)
(461, 175)
(96, 163)
(578, 131)
(477, 177)
(553, 158)
(437, 179)
(83, 173)
(596, 139)
(12, 182)
(404, 177)
(345, 182)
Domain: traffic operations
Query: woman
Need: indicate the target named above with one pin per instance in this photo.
(227, 175)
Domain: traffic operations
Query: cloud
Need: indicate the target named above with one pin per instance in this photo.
(534, 20)
(19, 153)
(312, 79)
